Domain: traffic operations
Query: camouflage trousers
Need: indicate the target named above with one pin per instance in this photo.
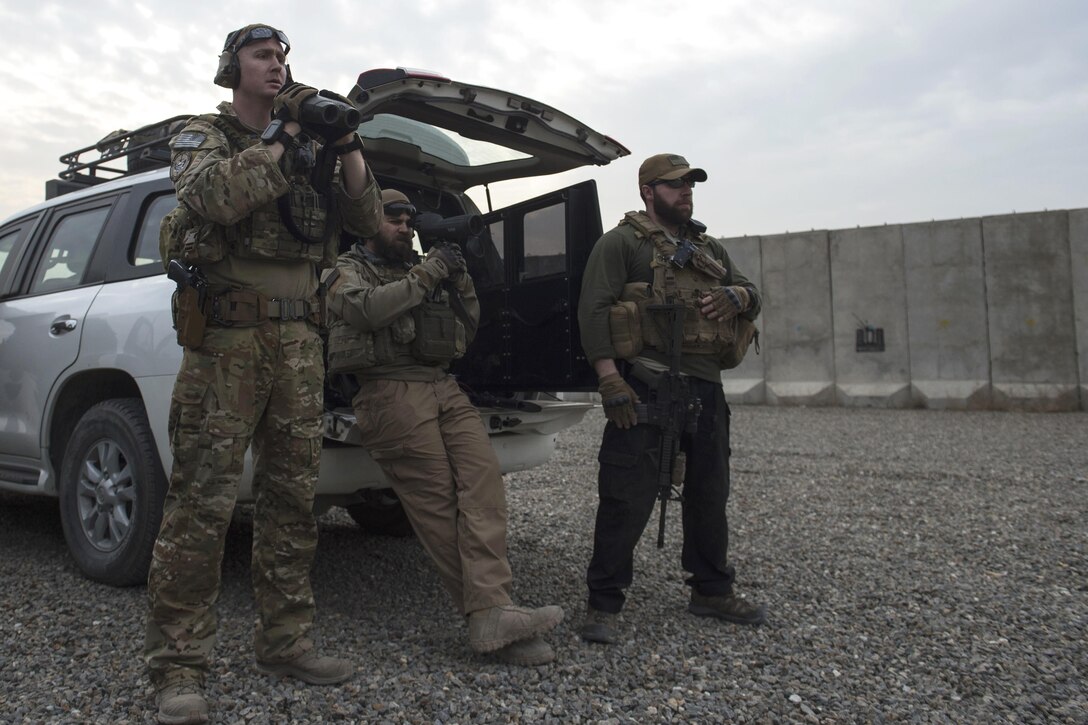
(261, 385)
(430, 442)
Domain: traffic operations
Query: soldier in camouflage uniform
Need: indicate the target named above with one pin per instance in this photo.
(257, 375)
(396, 324)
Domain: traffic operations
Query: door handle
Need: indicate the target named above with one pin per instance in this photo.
(62, 324)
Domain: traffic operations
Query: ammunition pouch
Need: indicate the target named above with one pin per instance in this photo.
(350, 350)
(189, 317)
(632, 328)
(625, 320)
(440, 336)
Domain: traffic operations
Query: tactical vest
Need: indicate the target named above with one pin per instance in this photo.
(263, 234)
(430, 334)
(634, 325)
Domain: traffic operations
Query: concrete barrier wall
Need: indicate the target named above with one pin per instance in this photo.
(982, 313)
(1033, 354)
(868, 293)
(1078, 251)
(946, 314)
(798, 349)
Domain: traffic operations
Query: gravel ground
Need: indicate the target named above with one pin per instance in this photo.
(919, 566)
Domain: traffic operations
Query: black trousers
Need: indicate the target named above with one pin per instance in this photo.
(627, 485)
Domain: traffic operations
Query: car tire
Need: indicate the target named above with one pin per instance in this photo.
(381, 512)
(112, 489)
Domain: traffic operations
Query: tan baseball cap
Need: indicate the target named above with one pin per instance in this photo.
(392, 196)
(667, 167)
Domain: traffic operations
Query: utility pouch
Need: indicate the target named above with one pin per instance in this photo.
(349, 350)
(625, 329)
(189, 317)
(744, 334)
(436, 337)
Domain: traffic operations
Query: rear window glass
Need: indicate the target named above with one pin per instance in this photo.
(7, 249)
(545, 242)
(70, 245)
(146, 249)
(449, 146)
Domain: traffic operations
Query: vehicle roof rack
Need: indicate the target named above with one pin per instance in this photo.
(141, 150)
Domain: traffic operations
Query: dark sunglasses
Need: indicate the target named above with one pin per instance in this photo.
(258, 33)
(675, 183)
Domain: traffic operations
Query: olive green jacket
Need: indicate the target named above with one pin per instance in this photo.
(623, 255)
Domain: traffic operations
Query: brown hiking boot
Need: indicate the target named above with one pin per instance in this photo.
(531, 652)
(729, 607)
(310, 667)
(494, 628)
(182, 703)
(602, 627)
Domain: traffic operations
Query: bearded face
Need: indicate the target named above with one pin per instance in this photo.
(394, 238)
(676, 211)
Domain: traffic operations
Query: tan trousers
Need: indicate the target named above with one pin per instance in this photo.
(430, 442)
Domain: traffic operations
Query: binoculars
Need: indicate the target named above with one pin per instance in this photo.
(328, 117)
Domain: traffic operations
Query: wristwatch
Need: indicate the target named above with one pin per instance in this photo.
(277, 132)
(355, 144)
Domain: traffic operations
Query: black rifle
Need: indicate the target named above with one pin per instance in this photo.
(674, 410)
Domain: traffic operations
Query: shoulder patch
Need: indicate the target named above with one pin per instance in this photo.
(179, 164)
(188, 140)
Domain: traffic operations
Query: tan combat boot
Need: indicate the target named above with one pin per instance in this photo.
(311, 668)
(182, 703)
(531, 652)
(494, 628)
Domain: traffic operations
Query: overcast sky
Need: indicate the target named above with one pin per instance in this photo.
(805, 114)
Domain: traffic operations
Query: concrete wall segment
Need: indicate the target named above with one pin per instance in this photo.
(946, 314)
(798, 339)
(1078, 253)
(868, 289)
(1030, 301)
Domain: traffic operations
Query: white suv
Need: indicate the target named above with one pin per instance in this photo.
(88, 355)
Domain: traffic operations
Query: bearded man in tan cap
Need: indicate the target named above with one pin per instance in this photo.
(656, 262)
(396, 324)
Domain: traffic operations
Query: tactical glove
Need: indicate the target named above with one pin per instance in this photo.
(725, 303)
(618, 399)
(451, 255)
(431, 271)
(288, 102)
(326, 93)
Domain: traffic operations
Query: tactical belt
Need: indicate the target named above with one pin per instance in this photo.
(648, 376)
(242, 307)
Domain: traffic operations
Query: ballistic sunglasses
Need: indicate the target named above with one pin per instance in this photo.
(396, 208)
(261, 32)
(675, 183)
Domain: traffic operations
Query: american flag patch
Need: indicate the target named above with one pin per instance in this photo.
(188, 140)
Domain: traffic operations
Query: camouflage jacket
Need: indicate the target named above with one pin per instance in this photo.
(229, 181)
(374, 321)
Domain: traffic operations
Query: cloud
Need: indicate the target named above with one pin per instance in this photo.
(825, 113)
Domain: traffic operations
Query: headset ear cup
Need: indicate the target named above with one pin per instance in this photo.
(228, 75)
